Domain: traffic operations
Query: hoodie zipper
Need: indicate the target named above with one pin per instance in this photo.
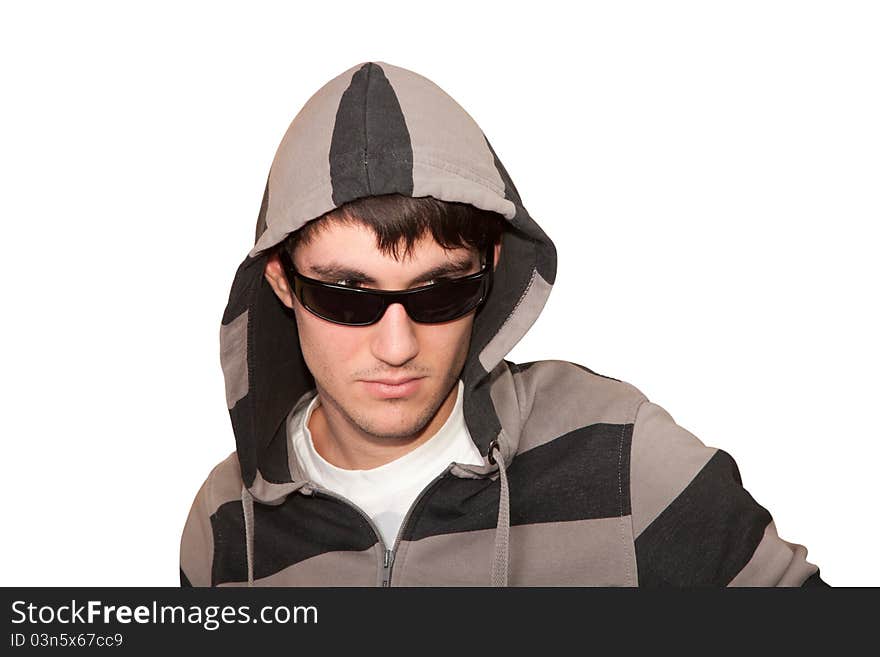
(388, 555)
(339, 498)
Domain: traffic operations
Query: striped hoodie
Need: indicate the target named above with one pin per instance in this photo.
(584, 481)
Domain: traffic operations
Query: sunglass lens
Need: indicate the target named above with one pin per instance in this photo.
(341, 306)
(445, 302)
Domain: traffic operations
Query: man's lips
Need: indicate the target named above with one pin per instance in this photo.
(396, 388)
(393, 382)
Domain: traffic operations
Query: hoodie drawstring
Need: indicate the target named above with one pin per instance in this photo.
(502, 531)
(247, 505)
(500, 565)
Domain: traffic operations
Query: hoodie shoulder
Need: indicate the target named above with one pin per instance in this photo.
(574, 391)
(558, 399)
(223, 484)
(226, 481)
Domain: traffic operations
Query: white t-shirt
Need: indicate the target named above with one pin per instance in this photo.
(386, 493)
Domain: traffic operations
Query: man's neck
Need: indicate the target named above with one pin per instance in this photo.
(345, 445)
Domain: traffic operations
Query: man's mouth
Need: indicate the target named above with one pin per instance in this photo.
(390, 388)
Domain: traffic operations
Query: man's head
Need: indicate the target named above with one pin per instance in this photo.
(393, 240)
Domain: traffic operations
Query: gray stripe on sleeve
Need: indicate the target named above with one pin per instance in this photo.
(776, 562)
(665, 459)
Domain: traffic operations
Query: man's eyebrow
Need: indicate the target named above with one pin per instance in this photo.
(333, 271)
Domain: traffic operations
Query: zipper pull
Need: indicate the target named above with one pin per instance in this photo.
(386, 564)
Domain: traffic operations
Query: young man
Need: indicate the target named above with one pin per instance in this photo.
(382, 439)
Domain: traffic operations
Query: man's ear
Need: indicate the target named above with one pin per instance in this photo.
(274, 273)
(497, 254)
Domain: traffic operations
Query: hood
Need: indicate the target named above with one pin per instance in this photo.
(376, 129)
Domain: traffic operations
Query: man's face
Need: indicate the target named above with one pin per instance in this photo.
(344, 360)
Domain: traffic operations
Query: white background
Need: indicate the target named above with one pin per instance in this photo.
(708, 171)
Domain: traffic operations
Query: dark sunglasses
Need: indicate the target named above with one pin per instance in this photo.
(437, 302)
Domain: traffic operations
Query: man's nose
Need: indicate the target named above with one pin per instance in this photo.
(394, 337)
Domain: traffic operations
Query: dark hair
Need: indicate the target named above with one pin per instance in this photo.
(396, 219)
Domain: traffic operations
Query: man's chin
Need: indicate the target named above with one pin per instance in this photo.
(400, 420)
(399, 428)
